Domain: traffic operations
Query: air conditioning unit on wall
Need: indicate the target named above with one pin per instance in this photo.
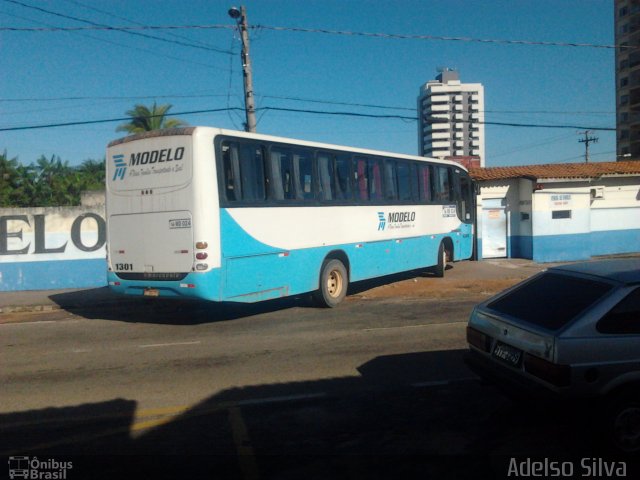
(597, 192)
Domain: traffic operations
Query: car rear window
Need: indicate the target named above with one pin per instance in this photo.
(551, 300)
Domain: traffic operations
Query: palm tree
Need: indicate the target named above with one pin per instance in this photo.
(144, 119)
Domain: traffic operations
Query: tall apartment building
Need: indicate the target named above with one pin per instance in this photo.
(451, 119)
(627, 33)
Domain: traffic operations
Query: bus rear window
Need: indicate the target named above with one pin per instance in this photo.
(551, 300)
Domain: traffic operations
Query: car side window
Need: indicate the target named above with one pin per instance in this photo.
(624, 317)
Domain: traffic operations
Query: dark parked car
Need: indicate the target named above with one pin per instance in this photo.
(572, 332)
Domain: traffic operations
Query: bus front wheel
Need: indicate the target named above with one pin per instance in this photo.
(333, 283)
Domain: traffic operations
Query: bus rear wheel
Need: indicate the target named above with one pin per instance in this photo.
(441, 266)
(333, 283)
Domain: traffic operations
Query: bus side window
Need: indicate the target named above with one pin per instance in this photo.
(281, 174)
(342, 179)
(252, 172)
(466, 198)
(375, 179)
(231, 171)
(404, 181)
(390, 180)
(425, 174)
(303, 174)
(325, 174)
(443, 184)
(360, 177)
(415, 182)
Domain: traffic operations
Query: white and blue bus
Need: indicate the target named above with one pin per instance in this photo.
(232, 216)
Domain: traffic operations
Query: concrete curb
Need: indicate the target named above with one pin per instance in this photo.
(29, 308)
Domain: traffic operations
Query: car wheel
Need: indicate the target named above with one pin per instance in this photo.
(624, 423)
(333, 283)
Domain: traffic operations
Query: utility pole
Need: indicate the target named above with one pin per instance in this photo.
(249, 106)
(587, 140)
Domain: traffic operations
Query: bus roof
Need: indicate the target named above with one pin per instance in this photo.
(271, 138)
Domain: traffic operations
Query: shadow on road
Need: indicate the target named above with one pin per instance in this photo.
(101, 303)
(376, 425)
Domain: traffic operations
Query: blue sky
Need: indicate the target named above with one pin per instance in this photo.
(107, 72)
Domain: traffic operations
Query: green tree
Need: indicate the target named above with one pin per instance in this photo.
(8, 176)
(51, 182)
(144, 119)
(23, 193)
(47, 182)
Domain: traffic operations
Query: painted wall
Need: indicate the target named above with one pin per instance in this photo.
(561, 223)
(565, 221)
(53, 247)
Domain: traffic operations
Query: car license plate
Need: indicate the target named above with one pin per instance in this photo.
(507, 354)
(152, 292)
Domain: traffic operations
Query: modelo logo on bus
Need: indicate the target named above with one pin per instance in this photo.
(396, 220)
(145, 158)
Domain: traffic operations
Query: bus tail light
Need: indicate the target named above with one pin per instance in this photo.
(201, 266)
(201, 245)
(558, 375)
(201, 255)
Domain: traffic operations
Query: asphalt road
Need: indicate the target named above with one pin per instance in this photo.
(375, 388)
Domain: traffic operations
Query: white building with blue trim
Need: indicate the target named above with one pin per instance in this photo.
(559, 212)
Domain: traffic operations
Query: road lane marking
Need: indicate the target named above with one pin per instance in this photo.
(413, 326)
(246, 454)
(173, 344)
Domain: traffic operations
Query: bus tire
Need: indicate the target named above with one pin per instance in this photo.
(333, 283)
(441, 266)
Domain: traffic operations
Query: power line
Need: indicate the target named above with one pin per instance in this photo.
(531, 146)
(111, 42)
(104, 12)
(330, 102)
(108, 120)
(316, 112)
(127, 30)
(328, 32)
(139, 97)
(297, 99)
(443, 38)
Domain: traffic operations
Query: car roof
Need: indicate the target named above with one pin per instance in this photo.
(624, 270)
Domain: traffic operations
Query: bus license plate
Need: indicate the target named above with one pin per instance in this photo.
(152, 292)
(508, 354)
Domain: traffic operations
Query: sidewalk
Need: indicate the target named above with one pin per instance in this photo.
(48, 300)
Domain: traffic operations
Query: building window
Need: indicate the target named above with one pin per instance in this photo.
(623, 11)
(624, 99)
(560, 214)
(624, 81)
